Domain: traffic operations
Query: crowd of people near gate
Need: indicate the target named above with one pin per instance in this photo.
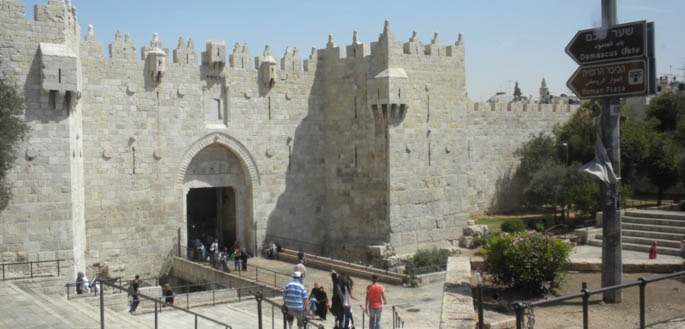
(219, 257)
(299, 304)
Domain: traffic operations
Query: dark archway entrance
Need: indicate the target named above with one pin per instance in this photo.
(211, 214)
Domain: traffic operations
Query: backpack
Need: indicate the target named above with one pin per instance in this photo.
(130, 288)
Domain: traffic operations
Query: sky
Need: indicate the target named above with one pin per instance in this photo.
(505, 41)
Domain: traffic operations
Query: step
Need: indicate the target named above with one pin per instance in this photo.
(674, 215)
(638, 247)
(654, 228)
(653, 221)
(646, 241)
(653, 235)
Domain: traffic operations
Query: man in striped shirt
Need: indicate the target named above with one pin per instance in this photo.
(295, 300)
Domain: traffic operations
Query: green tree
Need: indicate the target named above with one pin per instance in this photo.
(666, 114)
(12, 130)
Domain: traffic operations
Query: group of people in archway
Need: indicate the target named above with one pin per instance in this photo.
(220, 258)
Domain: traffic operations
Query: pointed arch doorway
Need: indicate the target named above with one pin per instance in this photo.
(218, 176)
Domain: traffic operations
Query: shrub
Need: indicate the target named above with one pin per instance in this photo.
(513, 225)
(427, 261)
(527, 260)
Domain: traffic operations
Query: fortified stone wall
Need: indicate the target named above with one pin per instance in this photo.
(44, 220)
(493, 133)
(356, 146)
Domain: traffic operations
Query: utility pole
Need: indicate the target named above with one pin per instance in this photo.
(612, 263)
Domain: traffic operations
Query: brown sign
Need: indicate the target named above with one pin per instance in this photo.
(619, 42)
(610, 79)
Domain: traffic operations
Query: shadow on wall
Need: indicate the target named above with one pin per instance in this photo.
(298, 219)
(508, 192)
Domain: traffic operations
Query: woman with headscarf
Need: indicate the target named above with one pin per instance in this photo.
(341, 306)
(320, 299)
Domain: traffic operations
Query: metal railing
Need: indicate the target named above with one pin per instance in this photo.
(259, 297)
(260, 275)
(68, 286)
(30, 264)
(527, 307)
(157, 307)
(397, 321)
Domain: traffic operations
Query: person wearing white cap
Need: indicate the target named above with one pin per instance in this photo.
(295, 300)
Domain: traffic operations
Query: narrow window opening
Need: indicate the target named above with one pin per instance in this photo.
(187, 58)
(356, 163)
(218, 108)
(429, 153)
(59, 75)
(67, 101)
(52, 99)
(160, 64)
(354, 52)
(217, 52)
(379, 93)
(242, 63)
(269, 107)
(355, 107)
(133, 153)
(399, 92)
(428, 106)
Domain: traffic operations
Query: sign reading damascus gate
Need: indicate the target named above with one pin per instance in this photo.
(610, 79)
(614, 61)
(618, 42)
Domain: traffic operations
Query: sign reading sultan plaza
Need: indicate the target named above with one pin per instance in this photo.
(611, 79)
(618, 42)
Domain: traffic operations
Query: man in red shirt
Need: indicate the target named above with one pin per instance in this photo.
(374, 306)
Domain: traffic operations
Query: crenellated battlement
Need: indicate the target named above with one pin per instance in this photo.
(521, 107)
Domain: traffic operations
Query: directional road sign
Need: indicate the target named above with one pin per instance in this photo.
(618, 42)
(610, 79)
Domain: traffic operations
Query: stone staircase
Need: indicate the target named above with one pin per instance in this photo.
(55, 311)
(642, 227)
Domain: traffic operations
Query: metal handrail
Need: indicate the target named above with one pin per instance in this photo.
(585, 294)
(102, 307)
(259, 296)
(30, 263)
(257, 270)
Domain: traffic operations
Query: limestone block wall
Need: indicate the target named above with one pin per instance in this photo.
(44, 220)
(427, 170)
(356, 169)
(141, 137)
(493, 132)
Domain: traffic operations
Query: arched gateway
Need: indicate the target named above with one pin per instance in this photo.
(218, 176)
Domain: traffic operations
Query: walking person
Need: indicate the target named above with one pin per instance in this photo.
(375, 299)
(320, 299)
(243, 257)
(214, 252)
(169, 295)
(342, 295)
(652, 251)
(301, 268)
(295, 300)
(134, 287)
(236, 259)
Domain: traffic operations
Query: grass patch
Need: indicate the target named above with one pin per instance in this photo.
(494, 223)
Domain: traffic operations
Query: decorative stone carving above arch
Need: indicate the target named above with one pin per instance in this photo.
(230, 143)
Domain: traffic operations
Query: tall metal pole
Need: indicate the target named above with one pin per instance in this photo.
(612, 264)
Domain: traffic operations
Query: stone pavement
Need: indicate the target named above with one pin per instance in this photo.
(419, 308)
(587, 251)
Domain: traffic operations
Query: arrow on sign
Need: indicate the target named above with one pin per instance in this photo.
(610, 79)
(618, 42)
